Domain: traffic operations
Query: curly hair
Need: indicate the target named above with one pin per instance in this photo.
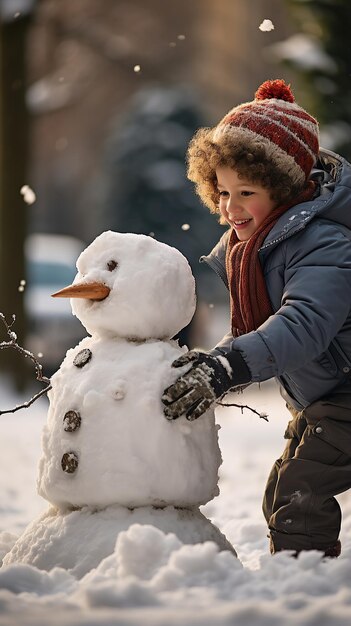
(249, 157)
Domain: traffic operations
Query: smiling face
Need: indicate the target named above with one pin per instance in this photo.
(243, 205)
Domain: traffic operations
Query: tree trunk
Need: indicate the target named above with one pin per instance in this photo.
(13, 165)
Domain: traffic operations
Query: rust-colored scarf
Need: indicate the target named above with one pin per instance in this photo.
(249, 301)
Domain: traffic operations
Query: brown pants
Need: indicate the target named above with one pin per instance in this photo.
(299, 503)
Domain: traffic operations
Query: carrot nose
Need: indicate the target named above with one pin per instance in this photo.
(90, 291)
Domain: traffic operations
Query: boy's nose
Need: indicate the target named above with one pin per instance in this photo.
(234, 207)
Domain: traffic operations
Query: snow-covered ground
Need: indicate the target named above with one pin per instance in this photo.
(151, 578)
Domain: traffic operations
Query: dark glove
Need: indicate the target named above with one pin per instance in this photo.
(194, 392)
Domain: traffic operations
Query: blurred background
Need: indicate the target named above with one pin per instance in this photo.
(98, 102)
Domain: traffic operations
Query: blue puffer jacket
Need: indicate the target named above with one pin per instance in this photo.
(306, 259)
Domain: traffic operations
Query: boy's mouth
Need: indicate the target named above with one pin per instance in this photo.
(239, 223)
(242, 221)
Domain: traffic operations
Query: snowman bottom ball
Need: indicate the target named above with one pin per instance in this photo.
(107, 441)
(78, 540)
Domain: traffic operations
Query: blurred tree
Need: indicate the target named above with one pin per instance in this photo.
(321, 56)
(13, 155)
(147, 190)
(81, 60)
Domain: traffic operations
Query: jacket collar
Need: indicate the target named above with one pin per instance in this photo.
(332, 175)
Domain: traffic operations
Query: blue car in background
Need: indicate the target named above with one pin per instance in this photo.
(51, 327)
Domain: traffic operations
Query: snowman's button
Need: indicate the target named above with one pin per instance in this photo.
(119, 390)
(69, 462)
(72, 421)
(82, 358)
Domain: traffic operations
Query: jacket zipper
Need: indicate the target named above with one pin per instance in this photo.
(283, 237)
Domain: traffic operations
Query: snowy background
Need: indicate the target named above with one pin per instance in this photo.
(152, 578)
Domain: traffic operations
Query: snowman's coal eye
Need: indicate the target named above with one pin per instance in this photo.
(111, 265)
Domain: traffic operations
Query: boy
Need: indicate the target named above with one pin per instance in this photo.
(286, 260)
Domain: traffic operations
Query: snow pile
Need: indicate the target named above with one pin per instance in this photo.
(79, 540)
(304, 51)
(196, 584)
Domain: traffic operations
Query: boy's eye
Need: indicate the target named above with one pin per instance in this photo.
(111, 265)
(223, 194)
(247, 193)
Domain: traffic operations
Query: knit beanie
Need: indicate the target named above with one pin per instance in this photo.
(275, 120)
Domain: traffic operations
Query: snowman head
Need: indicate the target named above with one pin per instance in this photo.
(132, 286)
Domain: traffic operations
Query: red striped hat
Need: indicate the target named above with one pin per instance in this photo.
(288, 132)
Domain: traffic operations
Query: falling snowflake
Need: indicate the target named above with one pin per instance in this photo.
(211, 306)
(185, 226)
(137, 68)
(181, 37)
(40, 355)
(266, 26)
(28, 194)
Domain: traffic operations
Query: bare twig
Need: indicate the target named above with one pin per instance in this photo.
(12, 343)
(263, 416)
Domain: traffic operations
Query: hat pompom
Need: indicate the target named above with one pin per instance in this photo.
(274, 89)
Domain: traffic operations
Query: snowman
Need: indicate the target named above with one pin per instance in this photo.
(110, 458)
